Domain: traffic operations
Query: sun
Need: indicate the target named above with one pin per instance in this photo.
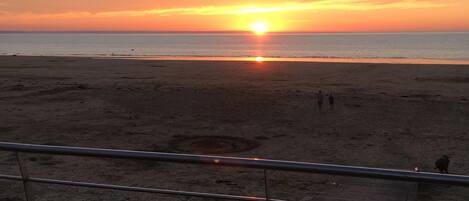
(259, 28)
(259, 59)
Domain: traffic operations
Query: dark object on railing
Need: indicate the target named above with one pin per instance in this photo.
(442, 164)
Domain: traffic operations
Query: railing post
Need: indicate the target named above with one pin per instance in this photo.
(24, 176)
(266, 185)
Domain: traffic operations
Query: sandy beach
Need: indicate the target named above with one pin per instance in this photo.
(386, 116)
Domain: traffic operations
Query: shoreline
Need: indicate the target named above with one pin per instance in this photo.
(268, 59)
(310, 60)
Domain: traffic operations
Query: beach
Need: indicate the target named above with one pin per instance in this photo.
(385, 116)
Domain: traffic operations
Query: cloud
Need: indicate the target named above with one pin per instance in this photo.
(96, 6)
(286, 7)
(234, 9)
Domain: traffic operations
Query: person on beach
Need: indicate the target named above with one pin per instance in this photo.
(331, 101)
(320, 99)
(442, 164)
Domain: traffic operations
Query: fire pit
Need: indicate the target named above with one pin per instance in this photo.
(212, 144)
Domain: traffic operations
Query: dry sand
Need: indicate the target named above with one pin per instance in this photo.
(387, 116)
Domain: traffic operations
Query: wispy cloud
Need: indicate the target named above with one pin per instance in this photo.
(286, 7)
(256, 8)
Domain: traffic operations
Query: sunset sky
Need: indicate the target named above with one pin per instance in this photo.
(234, 15)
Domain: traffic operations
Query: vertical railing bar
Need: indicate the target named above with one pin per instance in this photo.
(24, 176)
(407, 193)
(266, 185)
(411, 187)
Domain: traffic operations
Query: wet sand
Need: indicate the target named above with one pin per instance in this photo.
(386, 115)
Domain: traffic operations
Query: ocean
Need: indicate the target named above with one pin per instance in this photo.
(428, 45)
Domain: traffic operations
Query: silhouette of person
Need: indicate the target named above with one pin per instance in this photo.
(442, 164)
(320, 99)
(331, 101)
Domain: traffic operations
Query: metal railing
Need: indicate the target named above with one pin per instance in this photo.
(264, 164)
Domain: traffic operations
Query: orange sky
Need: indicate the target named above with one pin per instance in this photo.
(234, 15)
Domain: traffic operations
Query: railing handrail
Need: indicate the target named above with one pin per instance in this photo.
(355, 171)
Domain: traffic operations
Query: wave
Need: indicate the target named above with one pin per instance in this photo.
(227, 56)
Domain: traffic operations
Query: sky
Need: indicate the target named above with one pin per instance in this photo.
(235, 15)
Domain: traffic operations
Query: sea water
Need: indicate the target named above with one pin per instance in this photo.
(428, 45)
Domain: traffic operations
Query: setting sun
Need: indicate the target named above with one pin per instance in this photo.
(259, 28)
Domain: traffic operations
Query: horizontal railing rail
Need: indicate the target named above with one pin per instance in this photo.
(258, 163)
(133, 189)
(265, 164)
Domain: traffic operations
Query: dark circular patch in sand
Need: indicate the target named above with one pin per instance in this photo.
(212, 144)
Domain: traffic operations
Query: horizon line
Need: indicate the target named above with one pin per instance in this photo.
(227, 32)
